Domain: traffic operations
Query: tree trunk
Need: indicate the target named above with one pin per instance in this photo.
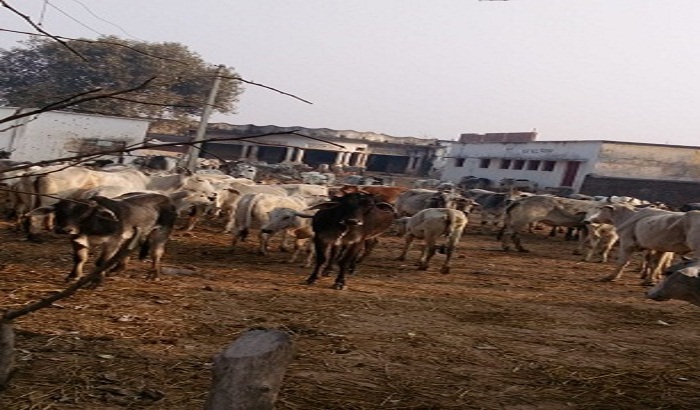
(248, 373)
(7, 352)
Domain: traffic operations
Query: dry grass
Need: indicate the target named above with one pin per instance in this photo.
(503, 331)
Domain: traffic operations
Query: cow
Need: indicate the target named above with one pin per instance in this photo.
(242, 170)
(598, 238)
(430, 225)
(691, 206)
(649, 228)
(383, 193)
(426, 183)
(654, 264)
(680, 282)
(343, 228)
(110, 223)
(412, 201)
(472, 182)
(156, 164)
(296, 224)
(508, 184)
(492, 205)
(229, 198)
(253, 212)
(547, 209)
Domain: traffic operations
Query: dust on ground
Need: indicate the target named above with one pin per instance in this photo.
(510, 331)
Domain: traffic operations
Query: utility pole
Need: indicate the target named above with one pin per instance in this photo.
(193, 151)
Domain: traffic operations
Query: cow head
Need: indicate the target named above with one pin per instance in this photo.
(351, 209)
(81, 217)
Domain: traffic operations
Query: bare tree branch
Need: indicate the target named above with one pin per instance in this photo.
(39, 29)
(265, 86)
(111, 43)
(76, 99)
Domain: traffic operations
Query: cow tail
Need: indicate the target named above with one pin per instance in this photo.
(248, 217)
(35, 200)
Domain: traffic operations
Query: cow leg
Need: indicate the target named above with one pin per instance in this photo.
(515, 238)
(295, 250)
(368, 247)
(623, 260)
(606, 247)
(155, 248)
(193, 217)
(428, 252)
(407, 245)
(347, 260)
(334, 252)
(449, 251)
(283, 242)
(241, 235)
(264, 241)
(80, 257)
(322, 251)
(450, 248)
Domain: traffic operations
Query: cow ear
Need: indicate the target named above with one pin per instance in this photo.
(324, 205)
(690, 271)
(303, 215)
(105, 214)
(385, 207)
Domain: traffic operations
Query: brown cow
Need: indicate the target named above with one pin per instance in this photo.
(343, 228)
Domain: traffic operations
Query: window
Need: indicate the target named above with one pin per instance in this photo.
(93, 146)
(459, 162)
(505, 163)
(485, 162)
(533, 165)
(548, 165)
(518, 164)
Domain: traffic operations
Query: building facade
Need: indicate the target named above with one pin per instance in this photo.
(575, 165)
(313, 147)
(60, 134)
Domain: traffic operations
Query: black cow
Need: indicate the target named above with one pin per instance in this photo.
(680, 282)
(344, 228)
(692, 206)
(113, 224)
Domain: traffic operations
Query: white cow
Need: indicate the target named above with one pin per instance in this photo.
(294, 223)
(649, 228)
(430, 225)
(253, 211)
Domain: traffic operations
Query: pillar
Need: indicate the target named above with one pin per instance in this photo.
(299, 157)
(253, 153)
(289, 155)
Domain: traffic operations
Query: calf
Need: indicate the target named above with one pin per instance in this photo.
(429, 225)
(110, 224)
(342, 229)
(294, 223)
(649, 228)
(598, 239)
(680, 282)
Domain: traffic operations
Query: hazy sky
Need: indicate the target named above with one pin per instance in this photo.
(625, 70)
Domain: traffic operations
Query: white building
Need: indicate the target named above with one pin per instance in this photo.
(60, 134)
(572, 164)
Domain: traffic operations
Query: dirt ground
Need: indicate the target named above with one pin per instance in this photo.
(502, 331)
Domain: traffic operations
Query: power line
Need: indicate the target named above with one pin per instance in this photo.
(73, 18)
(106, 21)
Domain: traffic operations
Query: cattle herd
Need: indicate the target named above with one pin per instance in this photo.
(113, 210)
